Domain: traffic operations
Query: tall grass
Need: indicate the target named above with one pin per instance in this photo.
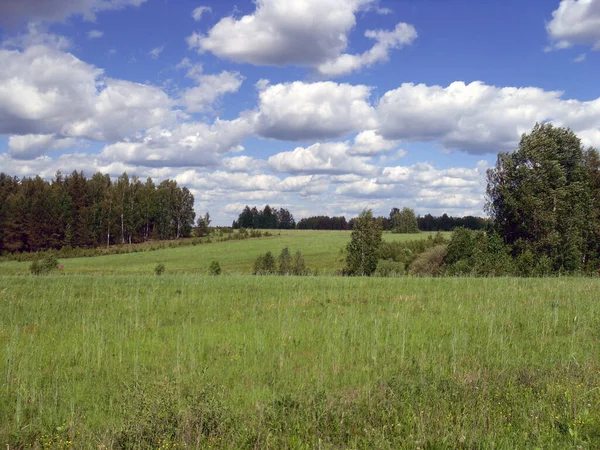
(287, 362)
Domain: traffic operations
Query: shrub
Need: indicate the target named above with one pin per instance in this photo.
(264, 264)
(159, 269)
(47, 264)
(214, 268)
(285, 262)
(298, 266)
(430, 263)
(387, 268)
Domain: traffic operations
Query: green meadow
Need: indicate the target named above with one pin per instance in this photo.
(108, 355)
(321, 251)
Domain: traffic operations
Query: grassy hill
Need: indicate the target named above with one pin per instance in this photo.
(321, 250)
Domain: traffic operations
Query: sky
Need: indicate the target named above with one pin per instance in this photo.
(318, 106)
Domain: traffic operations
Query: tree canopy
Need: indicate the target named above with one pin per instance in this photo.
(543, 198)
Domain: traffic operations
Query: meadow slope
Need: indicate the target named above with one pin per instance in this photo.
(321, 251)
(194, 361)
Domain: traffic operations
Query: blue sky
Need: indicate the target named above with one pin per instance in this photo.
(320, 106)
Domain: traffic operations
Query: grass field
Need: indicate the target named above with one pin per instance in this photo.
(190, 361)
(108, 355)
(321, 250)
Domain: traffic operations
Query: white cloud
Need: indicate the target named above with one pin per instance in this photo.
(155, 52)
(580, 58)
(312, 33)
(369, 143)
(209, 88)
(329, 158)
(17, 11)
(46, 91)
(199, 12)
(242, 164)
(281, 32)
(95, 34)
(37, 35)
(187, 144)
(33, 145)
(575, 22)
(312, 111)
(476, 117)
(403, 34)
(42, 89)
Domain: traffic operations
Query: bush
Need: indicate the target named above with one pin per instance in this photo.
(214, 268)
(285, 262)
(430, 263)
(159, 269)
(387, 268)
(264, 264)
(47, 264)
(298, 266)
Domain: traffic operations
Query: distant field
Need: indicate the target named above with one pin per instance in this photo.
(321, 250)
(246, 362)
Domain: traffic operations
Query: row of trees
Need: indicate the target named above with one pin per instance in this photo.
(267, 218)
(399, 221)
(323, 223)
(77, 211)
(448, 223)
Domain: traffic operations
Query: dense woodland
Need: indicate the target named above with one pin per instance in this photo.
(77, 211)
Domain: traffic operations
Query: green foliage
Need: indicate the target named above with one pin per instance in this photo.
(363, 249)
(46, 265)
(159, 269)
(285, 262)
(202, 225)
(540, 198)
(214, 268)
(388, 268)
(404, 221)
(298, 266)
(264, 265)
(477, 253)
(430, 263)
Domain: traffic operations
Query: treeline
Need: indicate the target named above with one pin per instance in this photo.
(448, 223)
(398, 221)
(75, 211)
(267, 218)
(323, 223)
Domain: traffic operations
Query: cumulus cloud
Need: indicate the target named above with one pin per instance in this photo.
(280, 32)
(46, 91)
(187, 144)
(403, 34)
(369, 143)
(312, 33)
(575, 22)
(313, 111)
(424, 187)
(476, 117)
(33, 145)
(209, 88)
(242, 164)
(199, 12)
(13, 12)
(332, 158)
